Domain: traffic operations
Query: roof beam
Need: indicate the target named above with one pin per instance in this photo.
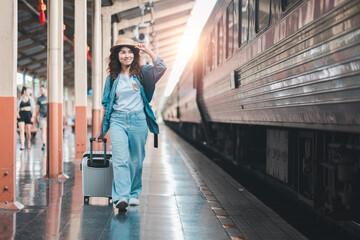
(170, 48)
(171, 24)
(163, 13)
(33, 62)
(38, 70)
(33, 34)
(175, 31)
(170, 59)
(44, 75)
(121, 6)
(169, 54)
(35, 54)
(167, 41)
(29, 21)
(69, 73)
(70, 24)
(33, 71)
(32, 45)
(44, 59)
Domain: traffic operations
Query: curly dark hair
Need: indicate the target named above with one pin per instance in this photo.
(114, 66)
(23, 90)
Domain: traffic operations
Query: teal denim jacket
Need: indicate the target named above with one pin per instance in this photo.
(151, 74)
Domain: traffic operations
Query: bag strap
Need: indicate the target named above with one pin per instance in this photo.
(156, 144)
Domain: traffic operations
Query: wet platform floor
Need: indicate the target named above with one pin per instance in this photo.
(185, 196)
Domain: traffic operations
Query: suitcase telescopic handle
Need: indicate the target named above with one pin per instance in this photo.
(91, 148)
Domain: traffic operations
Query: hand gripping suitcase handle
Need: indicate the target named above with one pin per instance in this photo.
(91, 148)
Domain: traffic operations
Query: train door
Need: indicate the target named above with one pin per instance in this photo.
(306, 167)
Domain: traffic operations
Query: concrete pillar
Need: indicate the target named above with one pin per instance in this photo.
(80, 78)
(61, 87)
(106, 44)
(55, 62)
(8, 101)
(96, 67)
(114, 33)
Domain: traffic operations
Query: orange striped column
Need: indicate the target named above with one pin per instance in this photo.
(8, 224)
(80, 78)
(96, 70)
(106, 45)
(8, 101)
(55, 82)
(61, 90)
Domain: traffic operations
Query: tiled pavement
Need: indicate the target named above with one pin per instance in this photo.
(185, 196)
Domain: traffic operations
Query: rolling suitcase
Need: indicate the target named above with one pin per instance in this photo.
(97, 172)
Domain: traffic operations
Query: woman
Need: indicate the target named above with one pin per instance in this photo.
(25, 116)
(128, 90)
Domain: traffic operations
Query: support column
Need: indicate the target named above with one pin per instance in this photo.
(54, 69)
(8, 101)
(96, 68)
(80, 78)
(61, 88)
(114, 33)
(106, 44)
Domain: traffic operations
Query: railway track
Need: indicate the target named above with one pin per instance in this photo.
(282, 200)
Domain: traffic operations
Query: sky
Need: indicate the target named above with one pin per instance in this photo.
(199, 15)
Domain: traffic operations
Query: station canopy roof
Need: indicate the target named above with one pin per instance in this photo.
(163, 21)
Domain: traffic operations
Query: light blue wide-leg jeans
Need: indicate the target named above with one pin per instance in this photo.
(128, 133)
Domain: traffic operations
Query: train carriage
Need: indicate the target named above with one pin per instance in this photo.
(277, 90)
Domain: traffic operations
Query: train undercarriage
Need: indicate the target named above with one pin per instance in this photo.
(318, 168)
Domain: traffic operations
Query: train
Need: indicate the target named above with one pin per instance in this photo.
(274, 86)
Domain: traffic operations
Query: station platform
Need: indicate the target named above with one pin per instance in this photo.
(185, 196)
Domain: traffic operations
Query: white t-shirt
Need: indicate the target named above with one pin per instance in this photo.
(128, 97)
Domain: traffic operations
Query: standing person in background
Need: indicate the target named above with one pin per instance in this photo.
(41, 114)
(128, 90)
(25, 116)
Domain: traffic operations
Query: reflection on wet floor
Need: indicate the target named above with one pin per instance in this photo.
(171, 205)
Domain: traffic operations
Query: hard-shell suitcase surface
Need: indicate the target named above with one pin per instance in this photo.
(97, 172)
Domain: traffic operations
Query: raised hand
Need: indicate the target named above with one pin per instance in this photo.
(144, 48)
(141, 47)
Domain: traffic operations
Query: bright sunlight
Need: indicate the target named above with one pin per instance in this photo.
(197, 20)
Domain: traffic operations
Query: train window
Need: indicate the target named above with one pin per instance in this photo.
(220, 41)
(286, 3)
(243, 21)
(262, 13)
(230, 14)
(194, 75)
(210, 52)
(212, 42)
(203, 64)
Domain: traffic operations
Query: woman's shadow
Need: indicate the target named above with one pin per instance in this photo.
(126, 225)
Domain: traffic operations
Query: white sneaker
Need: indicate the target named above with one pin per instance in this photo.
(122, 205)
(134, 202)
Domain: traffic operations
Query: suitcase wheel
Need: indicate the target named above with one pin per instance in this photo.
(86, 199)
